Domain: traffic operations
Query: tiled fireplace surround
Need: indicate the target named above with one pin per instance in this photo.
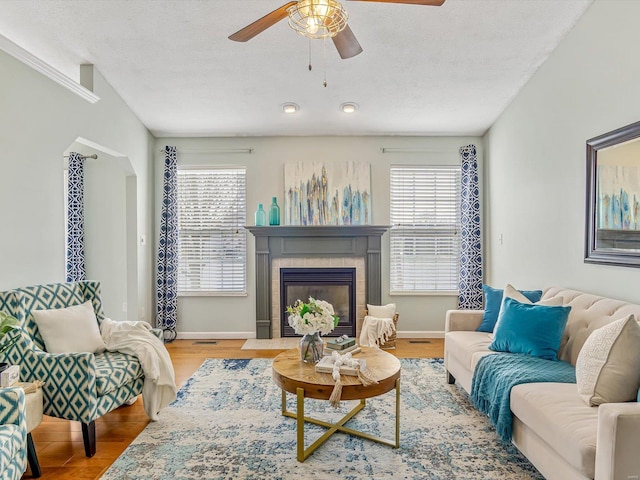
(314, 247)
(278, 263)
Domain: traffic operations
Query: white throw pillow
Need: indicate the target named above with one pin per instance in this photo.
(511, 292)
(382, 311)
(69, 330)
(608, 366)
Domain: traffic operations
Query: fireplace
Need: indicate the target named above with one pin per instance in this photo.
(311, 247)
(334, 285)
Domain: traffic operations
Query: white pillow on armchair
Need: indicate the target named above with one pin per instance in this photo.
(70, 330)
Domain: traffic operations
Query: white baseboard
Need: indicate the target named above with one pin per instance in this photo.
(246, 335)
(215, 335)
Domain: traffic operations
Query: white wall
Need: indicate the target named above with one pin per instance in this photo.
(235, 316)
(38, 121)
(106, 234)
(535, 157)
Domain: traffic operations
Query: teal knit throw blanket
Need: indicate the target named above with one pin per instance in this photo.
(495, 375)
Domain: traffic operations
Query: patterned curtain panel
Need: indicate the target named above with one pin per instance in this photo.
(470, 279)
(75, 219)
(168, 248)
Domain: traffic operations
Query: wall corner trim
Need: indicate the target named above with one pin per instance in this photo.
(47, 70)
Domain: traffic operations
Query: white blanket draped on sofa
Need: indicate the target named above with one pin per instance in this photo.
(134, 338)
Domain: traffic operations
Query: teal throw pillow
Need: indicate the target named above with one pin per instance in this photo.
(492, 302)
(535, 330)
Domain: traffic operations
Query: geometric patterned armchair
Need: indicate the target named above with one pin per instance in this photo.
(77, 386)
(13, 434)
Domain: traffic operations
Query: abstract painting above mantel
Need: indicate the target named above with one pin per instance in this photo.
(319, 193)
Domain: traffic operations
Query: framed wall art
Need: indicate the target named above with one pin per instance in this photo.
(325, 193)
(613, 198)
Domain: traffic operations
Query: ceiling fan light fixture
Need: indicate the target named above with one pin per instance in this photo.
(290, 107)
(317, 18)
(348, 107)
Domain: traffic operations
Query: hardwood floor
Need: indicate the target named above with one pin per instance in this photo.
(59, 442)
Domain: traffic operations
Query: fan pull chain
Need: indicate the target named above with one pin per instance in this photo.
(324, 45)
(310, 67)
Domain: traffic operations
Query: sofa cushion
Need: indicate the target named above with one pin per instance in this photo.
(588, 312)
(579, 326)
(463, 345)
(555, 412)
(530, 329)
(608, 366)
(115, 369)
(493, 301)
(10, 444)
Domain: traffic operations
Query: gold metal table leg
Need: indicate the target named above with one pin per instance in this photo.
(302, 454)
(284, 402)
(300, 424)
(398, 413)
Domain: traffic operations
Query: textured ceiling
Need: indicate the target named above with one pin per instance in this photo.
(424, 71)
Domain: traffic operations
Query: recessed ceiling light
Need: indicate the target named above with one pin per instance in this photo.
(290, 107)
(348, 107)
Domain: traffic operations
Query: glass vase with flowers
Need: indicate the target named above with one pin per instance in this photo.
(310, 320)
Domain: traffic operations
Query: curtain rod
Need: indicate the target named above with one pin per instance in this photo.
(213, 150)
(94, 156)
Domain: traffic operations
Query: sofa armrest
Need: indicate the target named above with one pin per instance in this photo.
(463, 320)
(69, 378)
(617, 441)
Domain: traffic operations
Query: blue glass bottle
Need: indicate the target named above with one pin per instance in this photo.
(261, 216)
(274, 212)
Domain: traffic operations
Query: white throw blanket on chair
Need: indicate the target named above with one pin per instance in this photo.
(376, 330)
(134, 338)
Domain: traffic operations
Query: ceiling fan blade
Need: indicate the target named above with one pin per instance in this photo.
(433, 3)
(259, 26)
(346, 43)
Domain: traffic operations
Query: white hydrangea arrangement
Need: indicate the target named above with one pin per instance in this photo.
(312, 317)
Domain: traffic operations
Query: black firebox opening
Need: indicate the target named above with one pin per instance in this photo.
(334, 285)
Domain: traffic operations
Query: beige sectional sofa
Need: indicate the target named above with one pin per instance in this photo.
(558, 432)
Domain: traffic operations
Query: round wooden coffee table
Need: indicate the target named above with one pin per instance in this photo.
(294, 376)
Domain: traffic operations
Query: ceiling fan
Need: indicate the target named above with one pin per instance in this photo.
(318, 19)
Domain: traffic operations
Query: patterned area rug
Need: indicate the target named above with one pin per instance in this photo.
(226, 424)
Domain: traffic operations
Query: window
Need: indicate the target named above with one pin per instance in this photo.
(212, 248)
(425, 219)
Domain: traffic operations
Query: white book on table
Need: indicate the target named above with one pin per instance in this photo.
(325, 365)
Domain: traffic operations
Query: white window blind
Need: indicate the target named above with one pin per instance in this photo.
(425, 219)
(212, 248)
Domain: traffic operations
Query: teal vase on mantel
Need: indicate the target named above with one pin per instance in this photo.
(274, 212)
(261, 216)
